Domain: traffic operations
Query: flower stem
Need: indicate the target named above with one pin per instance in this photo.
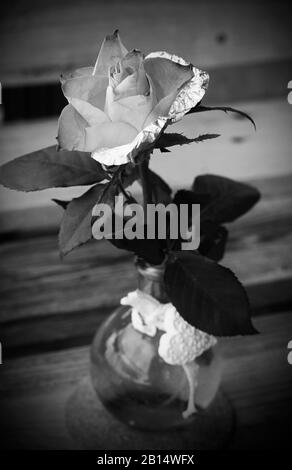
(146, 188)
(123, 191)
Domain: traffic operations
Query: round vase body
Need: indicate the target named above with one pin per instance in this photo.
(136, 385)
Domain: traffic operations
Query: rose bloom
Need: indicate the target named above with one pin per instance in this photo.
(119, 107)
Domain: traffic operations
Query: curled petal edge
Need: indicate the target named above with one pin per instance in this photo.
(123, 154)
(191, 93)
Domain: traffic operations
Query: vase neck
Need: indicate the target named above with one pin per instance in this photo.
(151, 280)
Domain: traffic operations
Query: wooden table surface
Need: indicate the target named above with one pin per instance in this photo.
(50, 310)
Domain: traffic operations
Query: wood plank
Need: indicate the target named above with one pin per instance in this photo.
(239, 152)
(28, 336)
(47, 303)
(262, 80)
(68, 34)
(275, 204)
(257, 378)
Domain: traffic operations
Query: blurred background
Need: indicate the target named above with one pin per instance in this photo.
(245, 47)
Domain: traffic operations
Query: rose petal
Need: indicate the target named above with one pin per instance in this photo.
(161, 109)
(131, 62)
(75, 134)
(129, 77)
(71, 131)
(134, 84)
(112, 50)
(87, 88)
(190, 94)
(166, 75)
(128, 65)
(90, 113)
(108, 135)
(126, 153)
(132, 109)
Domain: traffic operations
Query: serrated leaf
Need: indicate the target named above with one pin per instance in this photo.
(51, 168)
(171, 139)
(75, 227)
(207, 295)
(229, 199)
(226, 109)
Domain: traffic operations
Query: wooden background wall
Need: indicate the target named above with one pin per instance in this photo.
(40, 38)
(244, 45)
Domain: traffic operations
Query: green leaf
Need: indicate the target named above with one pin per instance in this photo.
(50, 168)
(213, 237)
(188, 198)
(184, 196)
(151, 251)
(213, 241)
(207, 295)
(171, 139)
(228, 199)
(128, 174)
(226, 109)
(75, 227)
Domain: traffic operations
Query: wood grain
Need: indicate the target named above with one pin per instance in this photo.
(48, 303)
(239, 153)
(39, 40)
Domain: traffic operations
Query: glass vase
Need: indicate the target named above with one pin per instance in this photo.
(133, 381)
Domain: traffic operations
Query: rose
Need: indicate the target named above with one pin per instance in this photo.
(120, 106)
